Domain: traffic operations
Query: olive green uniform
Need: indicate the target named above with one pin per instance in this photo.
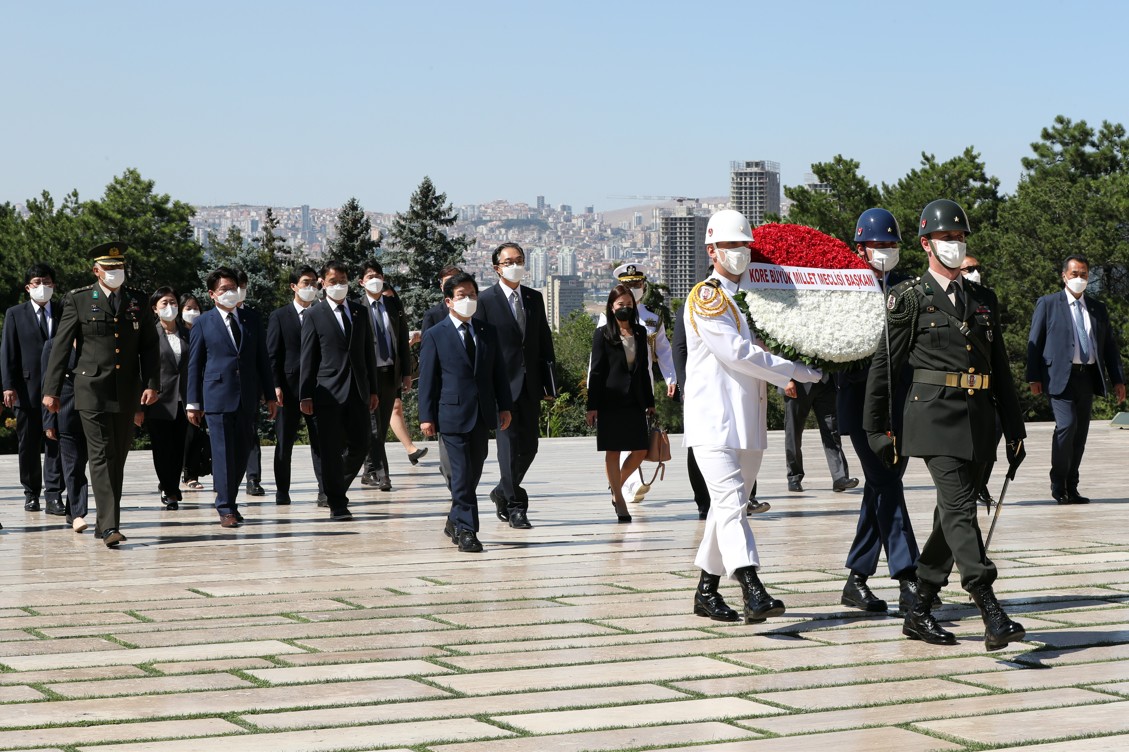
(961, 377)
(117, 359)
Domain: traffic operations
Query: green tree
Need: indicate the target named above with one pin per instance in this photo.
(352, 242)
(655, 299)
(154, 226)
(58, 235)
(565, 416)
(15, 255)
(421, 247)
(277, 260)
(835, 210)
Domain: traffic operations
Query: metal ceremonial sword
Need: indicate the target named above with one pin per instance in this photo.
(996, 516)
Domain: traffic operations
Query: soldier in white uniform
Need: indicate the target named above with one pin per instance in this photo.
(725, 405)
(635, 279)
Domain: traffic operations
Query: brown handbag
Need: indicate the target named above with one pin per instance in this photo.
(658, 451)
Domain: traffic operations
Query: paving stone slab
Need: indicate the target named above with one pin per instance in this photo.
(859, 740)
(17, 693)
(71, 674)
(839, 655)
(360, 656)
(1081, 674)
(681, 711)
(1118, 743)
(597, 741)
(121, 732)
(151, 685)
(223, 664)
(878, 693)
(454, 637)
(347, 671)
(1051, 723)
(291, 631)
(12, 652)
(123, 657)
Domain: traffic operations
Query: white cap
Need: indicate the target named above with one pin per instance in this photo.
(629, 272)
(728, 225)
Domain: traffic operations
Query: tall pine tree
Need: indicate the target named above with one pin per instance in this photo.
(352, 242)
(422, 247)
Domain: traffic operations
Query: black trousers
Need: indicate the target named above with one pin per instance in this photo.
(1072, 427)
(697, 482)
(387, 390)
(108, 438)
(72, 452)
(167, 438)
(517, 448)
(884, 521)
(956, 531)
(194, 440)
(467, 454)
(41, 470)
(343, 430)
(819, 397)
(286, 433)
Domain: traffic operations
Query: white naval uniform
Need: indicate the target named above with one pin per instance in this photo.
(724, 413)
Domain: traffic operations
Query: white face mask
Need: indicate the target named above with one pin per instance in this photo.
(228, 298)
(949, 252)
(114, 278)
(465, 307)
(515, 273)
(42, 293)
(884, 259)
(1076, 285)
(637, 293)
(735, 260)
(374, 285)
(307, 294)
(190, 315)
(242, 294)
(168, 313)
(337, 292)
(973, 276)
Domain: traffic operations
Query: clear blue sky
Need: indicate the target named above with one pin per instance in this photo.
(286, 103)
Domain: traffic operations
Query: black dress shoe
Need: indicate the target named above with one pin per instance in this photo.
(32, 505)
(500, 506)
(857, 594)
(342, 515)
(519, 521)
(112, 538)
(237, 516)
(370, 479)
(172, 505)
(282, 501)
(708, 601)
(1060, 497)
(56, 508)
(450, 531)
(1074, 496)
(414, 457)
(795, 487)
(468, 542)
(840, 486)
(323, 500)
(385, 483)
(254, 488)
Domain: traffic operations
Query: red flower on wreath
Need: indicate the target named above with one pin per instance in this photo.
(797, 245)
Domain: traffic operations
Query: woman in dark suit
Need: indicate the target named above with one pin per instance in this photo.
(196, 442)
(166, 419)
(620, 395)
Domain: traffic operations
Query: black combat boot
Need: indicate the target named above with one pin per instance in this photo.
(999, 629)
(909, 594)
(920, 624)
(857, 594)
(708, 601)
(759, 605)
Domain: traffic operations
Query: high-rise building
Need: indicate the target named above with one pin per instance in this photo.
(538, 266)
(540, 203)
(306, 228)
(754, 189)
(563, 295)
(566, 262)
(682, 248)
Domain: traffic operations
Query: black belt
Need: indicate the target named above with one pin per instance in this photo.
(1081, 367)
(958, 380)
(385, 369)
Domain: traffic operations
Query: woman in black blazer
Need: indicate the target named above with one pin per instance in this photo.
(620, 395)
(165, 418)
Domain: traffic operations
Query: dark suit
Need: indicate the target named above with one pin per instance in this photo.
(117, 358)
(284, 345)
(528, 362)
(21, 348)
(431, 317)
(227, 385)
(462, 400)
(72, 441)
(620, 393)
(951, 428)
(165, 419)
(1071, 386)
(255, 455)
(338, 374)
(820, 398)
(389, 378)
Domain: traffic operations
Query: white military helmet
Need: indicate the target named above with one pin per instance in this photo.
(728, 225)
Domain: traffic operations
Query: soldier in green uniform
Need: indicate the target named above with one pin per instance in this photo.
(947, 328)
(113, 330)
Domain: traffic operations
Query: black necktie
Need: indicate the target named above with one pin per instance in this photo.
(235, 333)
(958, 300)
(43, 323)
(345, 321)
(381, 340)
(301, 317)
(114, 303)
(468, 340)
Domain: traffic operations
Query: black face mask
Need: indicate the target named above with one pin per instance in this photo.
(624, 314)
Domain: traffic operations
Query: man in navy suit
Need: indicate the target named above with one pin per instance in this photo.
(1070, 342)
(337, 384)
(284, 345)
(27, 327)
(228, 372)
(431, 317)
(463, 393)
(517, 314)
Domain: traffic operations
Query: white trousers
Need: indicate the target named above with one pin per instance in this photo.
(727, 543)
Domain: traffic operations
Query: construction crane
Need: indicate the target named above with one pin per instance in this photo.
(680, 199)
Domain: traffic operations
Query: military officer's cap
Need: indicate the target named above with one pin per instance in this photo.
(629, 273)
(110, 254)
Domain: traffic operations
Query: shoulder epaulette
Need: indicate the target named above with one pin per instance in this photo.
(901, 307)
(81, 289)
(708, 300)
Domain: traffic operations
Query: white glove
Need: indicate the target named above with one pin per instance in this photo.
(806, 374)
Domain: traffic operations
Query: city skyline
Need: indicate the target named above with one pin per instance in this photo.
(288, 104)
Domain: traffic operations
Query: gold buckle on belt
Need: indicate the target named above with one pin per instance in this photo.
(967, 380)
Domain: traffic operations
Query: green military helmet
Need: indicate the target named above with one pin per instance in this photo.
(943, 215)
